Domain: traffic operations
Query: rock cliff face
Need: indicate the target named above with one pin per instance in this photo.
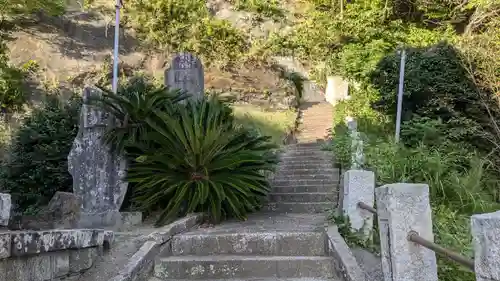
(76, 49)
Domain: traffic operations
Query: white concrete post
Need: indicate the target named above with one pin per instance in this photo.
(5, 206)
(358, 186)
(401, 208)
(486, 235)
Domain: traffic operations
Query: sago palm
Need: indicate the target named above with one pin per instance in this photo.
(202, 163)
(131, 106)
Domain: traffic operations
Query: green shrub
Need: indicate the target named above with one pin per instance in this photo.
(37, 163)
(267, 8)
(202, 162)
(186, 25)
(12, 93)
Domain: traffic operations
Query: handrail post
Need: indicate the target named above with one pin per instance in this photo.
(401, 208)
(486, 237)
(358, 186)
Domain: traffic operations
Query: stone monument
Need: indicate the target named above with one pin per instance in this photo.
(98, 172)
(186, 73)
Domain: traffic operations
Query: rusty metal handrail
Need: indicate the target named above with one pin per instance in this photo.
(367, 207)
(415, 238)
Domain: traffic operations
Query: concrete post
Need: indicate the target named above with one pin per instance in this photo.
(5, 206)
(486, 235)
(358, 186)
(401, 208)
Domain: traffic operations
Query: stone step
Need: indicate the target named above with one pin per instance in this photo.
(298, 170)
(308, 165)
(251, 243)
(302, 158)
(310, 152)
(291, 175)
(305, 145)
(305, 188)
(303, 197)
(295, 182)
(256, 279)
(299, 207)
(230, 266)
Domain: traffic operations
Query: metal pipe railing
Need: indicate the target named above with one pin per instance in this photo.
(367, 207)
(415, 238)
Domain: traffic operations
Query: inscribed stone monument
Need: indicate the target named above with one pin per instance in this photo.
(186, 73)
(98, 172)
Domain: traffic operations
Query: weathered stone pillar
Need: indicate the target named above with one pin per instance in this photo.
(357, 157)
(5, 206)
(401, 208)
(358, 186)
(486, 235)
(98, 171)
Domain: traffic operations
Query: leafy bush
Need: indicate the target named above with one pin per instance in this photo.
(268, 8)
(37, 164)
(186, 25)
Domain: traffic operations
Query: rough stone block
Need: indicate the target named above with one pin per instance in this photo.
(5, 244)
(5, 206)
(358, 186)
(130, 219)
(64, 210)
(82, 259)
(401, 208)
(59, 263)
(486, 235)
(36, 242)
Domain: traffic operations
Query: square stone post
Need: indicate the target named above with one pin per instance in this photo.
(401, 208)
(5, 206)
(358, 186)
(486, 235)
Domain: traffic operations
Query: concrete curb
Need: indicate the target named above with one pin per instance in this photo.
(140, 265)
(345, 262)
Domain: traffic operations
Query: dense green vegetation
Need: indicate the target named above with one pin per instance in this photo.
(449, 136)
(37, 165)
(450, 133)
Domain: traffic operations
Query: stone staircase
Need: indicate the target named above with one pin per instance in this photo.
(285, 242)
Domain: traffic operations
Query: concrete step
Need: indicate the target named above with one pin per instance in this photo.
(326, 169)
(299, 207)
(305, 145)
(305, 188)
(307, 152)
(252, 243)
(230, 266)
(324, 157)
(291, 175)
(256, 279)
(303, 197)
(314, 165)
(294, 182)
